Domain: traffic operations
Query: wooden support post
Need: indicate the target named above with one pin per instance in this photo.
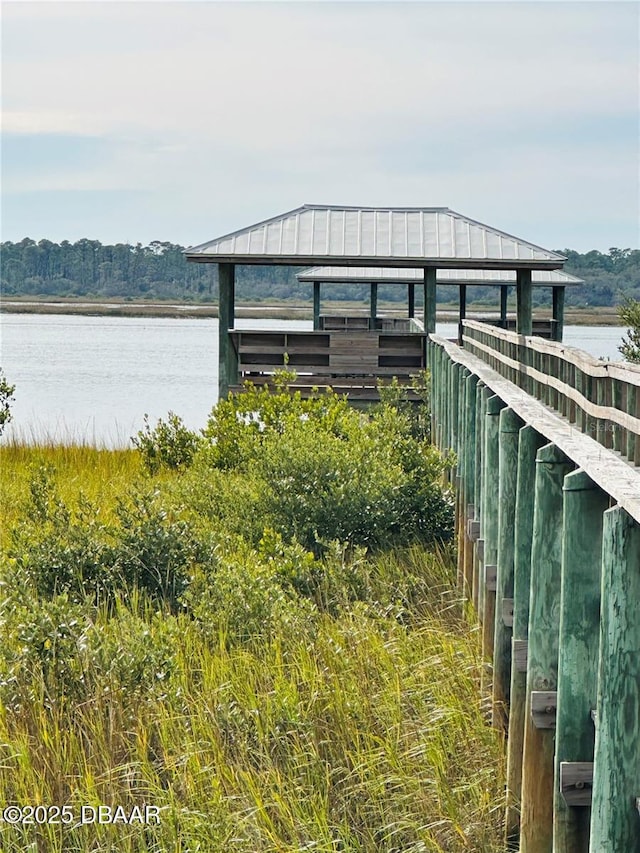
(536, 829)
(461, 499)
(482, 395)
(583, 507)
(429, 300)
(504, 293)
(510, 425)
(462, 312)
(469, 474)
(316, 304)
(411, 299)
(373, 306)
(529, 442)
(616, 772)
(490, 501)
(524, 322)
(227, 356)
(558, 312)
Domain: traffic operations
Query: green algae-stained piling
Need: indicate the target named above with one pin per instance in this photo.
(536, 824)
(510, 425)
(583, 507)
(529, 442)
(615, 822)
(490, 532)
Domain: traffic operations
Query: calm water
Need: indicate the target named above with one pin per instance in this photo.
(93, 378)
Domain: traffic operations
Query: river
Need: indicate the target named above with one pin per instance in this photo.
(92, 379)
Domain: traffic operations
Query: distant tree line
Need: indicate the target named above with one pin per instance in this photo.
(91, 270)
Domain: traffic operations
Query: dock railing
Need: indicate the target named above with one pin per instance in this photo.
(600, 398)
(352, 361)
(548, 534)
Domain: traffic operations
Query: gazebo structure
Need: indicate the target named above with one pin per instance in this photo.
(426, 240)
(556, 280)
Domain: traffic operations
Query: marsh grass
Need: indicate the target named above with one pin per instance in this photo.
(352, 724)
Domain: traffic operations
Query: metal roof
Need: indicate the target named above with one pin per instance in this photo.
(374, 236)
(391, 275)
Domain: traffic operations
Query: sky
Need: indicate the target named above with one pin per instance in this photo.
(183, 121)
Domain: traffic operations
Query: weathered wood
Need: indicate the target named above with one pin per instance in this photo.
(543, 708)
(373, 304)
(491, 577)
(482, 395)
(429, 299)
(575, 784)
(519, 655)
(510, 425)
(558, 312)
(227, 355)
(576, 395)
(490, 499)
(583, 507)
(536, 829)
(507, 612)
(468, 473)
(316, 304)
(614, 820)
(529, 442)
(605, 468)
(462, 309)
(523, 302)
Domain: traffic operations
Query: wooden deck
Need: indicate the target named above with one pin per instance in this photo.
(350, 360)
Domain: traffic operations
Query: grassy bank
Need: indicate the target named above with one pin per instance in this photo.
(177, 632)
(286, 309)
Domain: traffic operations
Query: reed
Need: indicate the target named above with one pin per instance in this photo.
(350, 725)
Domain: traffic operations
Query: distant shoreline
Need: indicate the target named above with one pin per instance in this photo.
(283, 310)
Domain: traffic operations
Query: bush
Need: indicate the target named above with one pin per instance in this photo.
(73, 552)
(6, 397)
(322, 471)
(170, 444)
(630, 316)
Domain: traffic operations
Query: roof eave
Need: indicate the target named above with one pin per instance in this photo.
(318, 260)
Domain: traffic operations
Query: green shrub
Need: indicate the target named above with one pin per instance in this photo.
(73, 552)
(169, 444)
(322, 471)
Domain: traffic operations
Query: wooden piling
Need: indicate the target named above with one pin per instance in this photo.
(227, 355)
(583, 507)
(615, 822)
(536, 826)
(529, 442)
(510, 425)
(490, 532)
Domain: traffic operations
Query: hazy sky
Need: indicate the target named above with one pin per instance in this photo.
(182, 121)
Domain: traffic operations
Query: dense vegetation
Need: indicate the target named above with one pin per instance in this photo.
(90, 269)
(253, 629)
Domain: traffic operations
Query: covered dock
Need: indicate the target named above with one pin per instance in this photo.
(352, 357)
(504, 280)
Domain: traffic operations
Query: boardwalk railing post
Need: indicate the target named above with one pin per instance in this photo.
(583, 508)
(536, 828)
(615, 822)
(510, 425)
(529, 442)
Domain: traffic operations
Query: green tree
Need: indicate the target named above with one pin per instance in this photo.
(630, 316)
(6, 396)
